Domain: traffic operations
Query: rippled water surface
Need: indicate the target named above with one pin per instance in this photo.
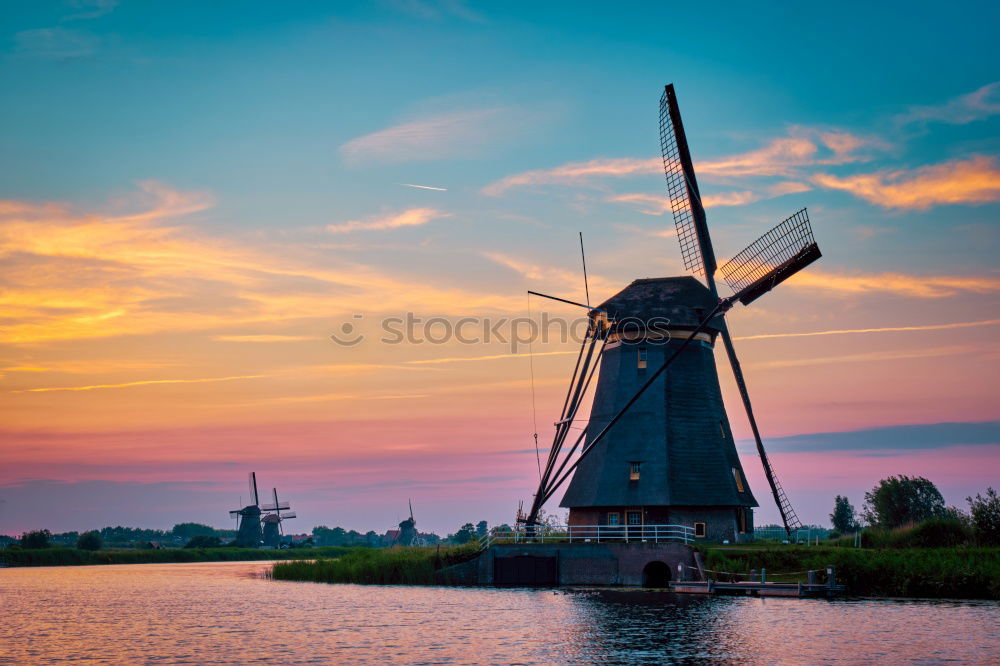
(223, 612)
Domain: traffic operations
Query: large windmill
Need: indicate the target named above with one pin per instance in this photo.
(273, 518)
(248, 533)
(658, 449)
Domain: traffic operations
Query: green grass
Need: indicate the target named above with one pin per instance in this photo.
(53, 557)
(957, 573)
(383, 566)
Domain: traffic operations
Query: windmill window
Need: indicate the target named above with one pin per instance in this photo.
(739, 480)
(633, 471)
(614, 518)
(741, 517)
(634, 517)
(699, 530)
(641, 363)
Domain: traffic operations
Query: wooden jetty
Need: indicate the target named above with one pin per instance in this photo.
(747, 588)
(763, 588)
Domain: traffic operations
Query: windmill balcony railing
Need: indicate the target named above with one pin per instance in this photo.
(588, 534)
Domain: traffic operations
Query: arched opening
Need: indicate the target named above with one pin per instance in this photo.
(655, 574)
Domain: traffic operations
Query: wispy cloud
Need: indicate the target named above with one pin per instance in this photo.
(650, 204)
(973, 180)
(916, 286)
(438, 9)
(490, 357)
(976, 105)
(577, 172)
(883, 329)
(56, 43)
(144, 382)
(264, 338)
(874, 356)
(414, 217)
(782, 156)
(457, 134)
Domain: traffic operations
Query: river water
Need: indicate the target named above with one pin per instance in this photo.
(224, 612)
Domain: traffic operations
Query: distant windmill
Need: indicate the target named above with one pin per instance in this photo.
(408, 530)
(273, 518)
(248, 533)
(658, 448)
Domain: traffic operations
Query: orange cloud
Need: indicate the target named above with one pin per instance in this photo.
(85, 275)
(651, 204)
(974, 180)
(414, 217)
(782, 156)
(916, 286)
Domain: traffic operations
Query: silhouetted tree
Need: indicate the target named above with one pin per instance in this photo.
(843, 517)
(203, 541)
(36, 539)
(899, 500)
(481, 528)
(90, 541)
(986, 517)
(464, 534)
(188, 530)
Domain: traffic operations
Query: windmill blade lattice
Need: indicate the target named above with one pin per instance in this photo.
(773, 258)
(682, 190)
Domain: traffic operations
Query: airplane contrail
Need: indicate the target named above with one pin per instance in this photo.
(929, 327)
(425, 187)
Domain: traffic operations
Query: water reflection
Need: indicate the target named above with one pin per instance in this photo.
(224, 613)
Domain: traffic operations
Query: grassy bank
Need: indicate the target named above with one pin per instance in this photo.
(965, 573)
(383, 566)
(54, 557)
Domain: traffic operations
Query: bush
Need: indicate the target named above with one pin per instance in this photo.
(967, 573)
(90, 541)
(937, 533)
(933, 533)
(407, 565)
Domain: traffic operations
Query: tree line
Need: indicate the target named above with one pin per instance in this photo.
(900, 501)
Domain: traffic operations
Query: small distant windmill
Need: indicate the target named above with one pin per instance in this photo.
(658, 448)
(272, 519)
(248, 532)
(408, 530)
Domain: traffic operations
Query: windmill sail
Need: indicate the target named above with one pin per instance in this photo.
(682, 189)
(699, 257)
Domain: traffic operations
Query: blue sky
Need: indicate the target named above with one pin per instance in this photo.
(195, 193)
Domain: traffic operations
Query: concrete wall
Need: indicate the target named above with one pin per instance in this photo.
(619, 564)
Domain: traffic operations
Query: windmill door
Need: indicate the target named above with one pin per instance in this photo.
(633, 523)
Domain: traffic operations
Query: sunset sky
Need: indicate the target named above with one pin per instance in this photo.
(195, 195)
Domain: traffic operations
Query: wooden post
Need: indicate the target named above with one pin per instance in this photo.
(763, 575)
(811, 577)
(831, 577)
